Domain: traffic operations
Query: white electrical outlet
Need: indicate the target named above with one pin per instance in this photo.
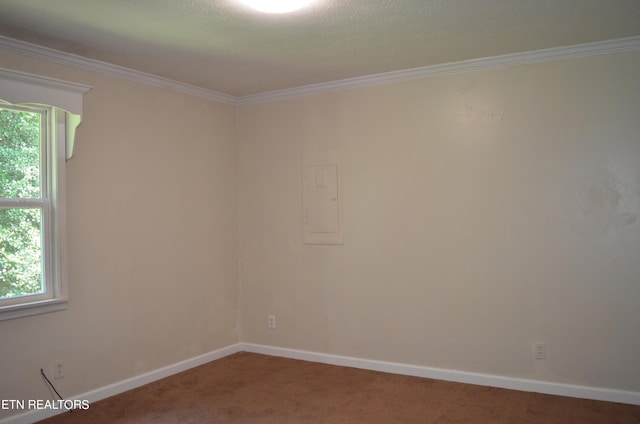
(540, 350)
(58, 369)
(272, 321)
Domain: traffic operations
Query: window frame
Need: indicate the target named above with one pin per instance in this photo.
(52, 206)
(61, 102)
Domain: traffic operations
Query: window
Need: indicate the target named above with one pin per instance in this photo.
(36, 138)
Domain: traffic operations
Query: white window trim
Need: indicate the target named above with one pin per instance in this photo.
(20, 88)
(63, 102)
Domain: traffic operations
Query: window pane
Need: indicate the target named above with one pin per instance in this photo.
(19, 153)
(20, 252)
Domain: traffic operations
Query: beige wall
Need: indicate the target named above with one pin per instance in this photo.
(483, 212)
(152, 230)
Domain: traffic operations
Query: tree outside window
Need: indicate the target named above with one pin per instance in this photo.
(21, 256)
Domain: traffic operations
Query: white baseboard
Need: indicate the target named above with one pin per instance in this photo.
(595, 393)
(537, 386)
(128, 384)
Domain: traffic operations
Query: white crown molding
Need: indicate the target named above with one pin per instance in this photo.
(502, 61)
(75, 61)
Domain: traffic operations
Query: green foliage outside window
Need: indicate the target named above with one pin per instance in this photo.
(20, 228)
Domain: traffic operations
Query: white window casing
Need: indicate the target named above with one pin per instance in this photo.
(20, 88)
(62, 105)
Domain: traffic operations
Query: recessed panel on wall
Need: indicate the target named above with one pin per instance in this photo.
(321, 199)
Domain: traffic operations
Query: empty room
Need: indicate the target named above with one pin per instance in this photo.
(232, 211)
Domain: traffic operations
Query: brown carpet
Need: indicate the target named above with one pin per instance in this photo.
(252, 388)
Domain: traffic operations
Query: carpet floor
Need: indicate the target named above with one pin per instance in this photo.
(253, 388)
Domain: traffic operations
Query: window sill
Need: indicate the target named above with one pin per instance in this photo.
(34, 308)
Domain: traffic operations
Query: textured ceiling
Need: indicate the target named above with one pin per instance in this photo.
(224, 46)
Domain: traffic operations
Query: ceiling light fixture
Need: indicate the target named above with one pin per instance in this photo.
(277, 6)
